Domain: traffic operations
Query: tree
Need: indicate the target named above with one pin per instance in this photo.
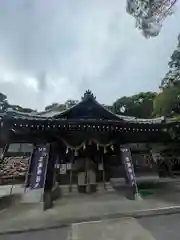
(172, 77)
(108, 107)
(3, 97)
(167, 103)
(123, 106)
(139, 105)
(52, 106)
(70, 103)
(144, 104)
(61, 107)
(3, 102)
(150, 14)
(20, 109)
(4, 105)
(28, 110)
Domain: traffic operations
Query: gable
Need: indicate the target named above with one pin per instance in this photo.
(88, 108)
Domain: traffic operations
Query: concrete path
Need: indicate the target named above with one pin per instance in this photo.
(162, 227)
(148, 228)
(74, 208)
(159, 228)
(9, 189)
(25, 216)
(49, 234)
(124, 229)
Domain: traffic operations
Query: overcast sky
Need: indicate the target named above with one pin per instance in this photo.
(53, 50)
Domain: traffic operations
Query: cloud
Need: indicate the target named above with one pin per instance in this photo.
(56, 50)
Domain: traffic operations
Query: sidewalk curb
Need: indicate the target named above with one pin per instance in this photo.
(68, 223)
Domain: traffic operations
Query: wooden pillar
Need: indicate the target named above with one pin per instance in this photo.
(48, 198)
(5, 133)
(103, 173)
(4, 151)
(71, 171)
(29, 170)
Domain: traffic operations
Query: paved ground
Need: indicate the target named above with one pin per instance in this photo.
(75, 207)
(163, 227)
(151, 228)
(8, 189)
(153, 179)
(53, 234)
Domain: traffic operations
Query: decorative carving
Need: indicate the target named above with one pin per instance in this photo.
(88, 95)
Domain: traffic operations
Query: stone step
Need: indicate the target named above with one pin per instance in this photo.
(100, 188)
(35, 196)
(32, 196)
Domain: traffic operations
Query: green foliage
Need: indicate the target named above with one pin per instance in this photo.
(51, 106)
(3, 102)
(61, 107)
(172, 77)
(3, 97)
(71, 103)
(4, 105)
(108, 107)
(139, 105)
(20, 109)
(167, 103)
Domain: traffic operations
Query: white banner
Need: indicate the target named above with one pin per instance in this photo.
(63, 169)
(100, 167)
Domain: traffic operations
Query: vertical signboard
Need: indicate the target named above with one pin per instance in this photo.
(127, 160)
(38, 167)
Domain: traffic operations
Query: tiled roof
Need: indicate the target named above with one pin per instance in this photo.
(141, 120)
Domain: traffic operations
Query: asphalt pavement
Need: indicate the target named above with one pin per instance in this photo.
(162, 227)
(150, 228)
(51, 234)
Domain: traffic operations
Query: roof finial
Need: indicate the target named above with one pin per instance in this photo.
(88, 95)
